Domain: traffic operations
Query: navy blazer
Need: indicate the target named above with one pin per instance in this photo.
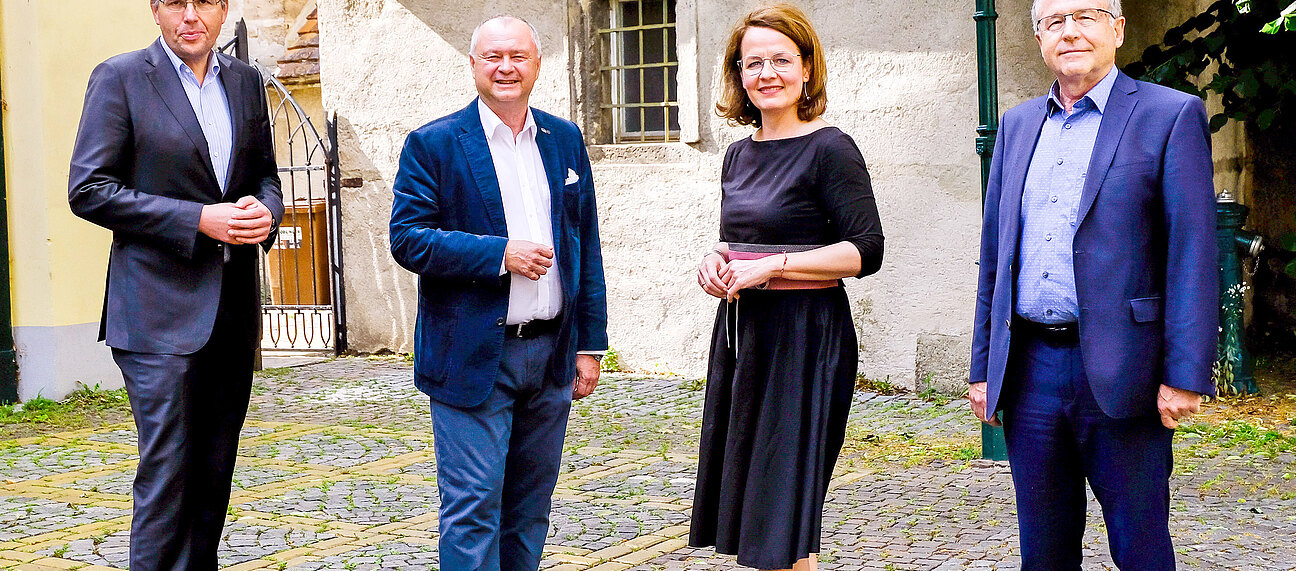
(447, 226)
(1144, 251)
(141, 168)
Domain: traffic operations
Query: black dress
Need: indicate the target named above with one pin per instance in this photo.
(782, 366)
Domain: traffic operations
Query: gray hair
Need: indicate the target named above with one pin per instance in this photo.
(472, 44)
(1112, 5)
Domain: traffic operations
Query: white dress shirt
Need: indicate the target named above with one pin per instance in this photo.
(524, 189)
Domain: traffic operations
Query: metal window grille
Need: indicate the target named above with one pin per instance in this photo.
(639, 67)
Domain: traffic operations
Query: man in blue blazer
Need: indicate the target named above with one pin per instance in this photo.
(1096, 315)
(494, 210)
(174, 156)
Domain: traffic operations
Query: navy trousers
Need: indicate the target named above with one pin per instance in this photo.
(497, 464)
(1057, 439)
(189, 410)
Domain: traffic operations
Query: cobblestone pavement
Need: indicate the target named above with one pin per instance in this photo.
(336, 471)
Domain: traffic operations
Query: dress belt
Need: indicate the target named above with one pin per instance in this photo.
(758, 251)
(1056, 333)
(532, 329)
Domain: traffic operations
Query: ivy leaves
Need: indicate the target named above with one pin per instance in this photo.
(1285, 21)
(1253, 73)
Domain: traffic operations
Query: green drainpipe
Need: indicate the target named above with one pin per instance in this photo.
(8, 357)
(992, 438)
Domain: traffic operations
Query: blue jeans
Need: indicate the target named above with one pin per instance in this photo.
(498, 462)
(1057, 439)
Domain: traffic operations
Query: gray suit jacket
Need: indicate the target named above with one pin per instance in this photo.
(141, 168)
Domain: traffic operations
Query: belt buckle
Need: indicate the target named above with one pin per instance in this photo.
(523, 329)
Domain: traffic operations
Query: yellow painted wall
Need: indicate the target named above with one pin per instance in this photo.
(47, 50)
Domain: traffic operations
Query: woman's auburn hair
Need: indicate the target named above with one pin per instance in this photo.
(790, 21)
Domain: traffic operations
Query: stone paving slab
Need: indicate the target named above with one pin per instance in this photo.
(336, 472)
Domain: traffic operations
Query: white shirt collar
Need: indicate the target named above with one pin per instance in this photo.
(491, 123)
(213, 64)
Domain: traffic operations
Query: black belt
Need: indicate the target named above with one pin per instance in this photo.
(1057, 333)
(532, 329)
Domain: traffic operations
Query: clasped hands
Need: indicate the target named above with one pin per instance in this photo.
(244, 222)
(1172, 404)
(725, 278)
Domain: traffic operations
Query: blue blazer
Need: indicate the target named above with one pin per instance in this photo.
(140, 168)
(447, 226)
(1144, 251)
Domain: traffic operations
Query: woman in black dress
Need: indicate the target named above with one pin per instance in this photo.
(797, 215)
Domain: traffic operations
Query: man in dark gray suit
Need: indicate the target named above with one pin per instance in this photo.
(174, 156)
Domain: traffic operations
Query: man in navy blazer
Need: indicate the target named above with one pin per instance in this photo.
(174, 155)
(494, 210)
(1096, 315)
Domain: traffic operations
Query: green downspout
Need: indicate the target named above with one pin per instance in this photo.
(8, 357)
(992, 438)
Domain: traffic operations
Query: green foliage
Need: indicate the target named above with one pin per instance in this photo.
(611, 362)
(1288, 243)
(1256, 74)
(879, 386)
(1285, 21)
(85, 401)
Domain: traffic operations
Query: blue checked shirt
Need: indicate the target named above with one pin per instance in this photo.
(1046, 289)
(212, 109)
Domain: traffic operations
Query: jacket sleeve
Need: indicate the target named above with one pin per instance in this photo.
(102, 158)
(987, 266)
(591, 302)
(1192, 281)
(419, 242)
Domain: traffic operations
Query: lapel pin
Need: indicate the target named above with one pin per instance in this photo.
(544, 130)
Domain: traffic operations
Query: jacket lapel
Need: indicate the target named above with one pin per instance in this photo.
(554, 173)
(238, 114)
(1119, 108)
(472, 137)
(1018, 163)
(167, 83)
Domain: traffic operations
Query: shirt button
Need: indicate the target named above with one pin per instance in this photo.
(1048, 237)
(1052, 199)
(1059, 161)
(1066, 126)
(1048, 312)
(1045, 275)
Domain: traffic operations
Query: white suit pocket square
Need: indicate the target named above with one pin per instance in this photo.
(571, 177)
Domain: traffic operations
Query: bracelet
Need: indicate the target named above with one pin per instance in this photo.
(784, 266)
(713, 251)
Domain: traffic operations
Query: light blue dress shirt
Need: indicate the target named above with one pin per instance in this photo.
(212, 109)
(1046, 289)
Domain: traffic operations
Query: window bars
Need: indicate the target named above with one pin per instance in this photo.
(639, 68)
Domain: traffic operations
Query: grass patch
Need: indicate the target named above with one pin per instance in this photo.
(870, 448)
(879, 386)
(1242, 437)
(86, 406)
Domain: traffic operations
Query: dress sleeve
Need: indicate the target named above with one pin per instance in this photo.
(724, 171)
(847, 194)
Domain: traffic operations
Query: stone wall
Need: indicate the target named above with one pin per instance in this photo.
(902, 83)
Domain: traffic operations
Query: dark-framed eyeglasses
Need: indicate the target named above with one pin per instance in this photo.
(753, 65)
(200, 6)
(1087, 18)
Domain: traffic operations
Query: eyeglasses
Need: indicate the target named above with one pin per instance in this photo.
(1086, 18)
(493, 58)
(754, 65)
(200, 6)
